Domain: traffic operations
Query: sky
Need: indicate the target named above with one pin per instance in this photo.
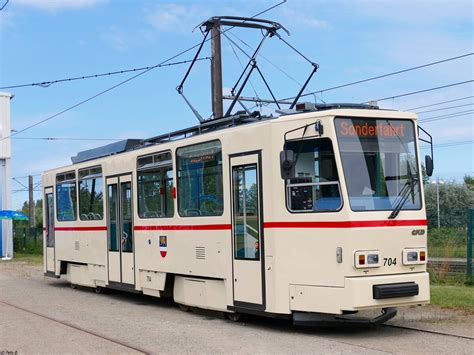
(45, 40)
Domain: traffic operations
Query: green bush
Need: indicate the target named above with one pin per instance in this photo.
(25, 244)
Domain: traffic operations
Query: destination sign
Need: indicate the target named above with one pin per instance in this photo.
(371, 129)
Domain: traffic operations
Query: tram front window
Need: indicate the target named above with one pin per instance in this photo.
(315, 187)
(379, 162)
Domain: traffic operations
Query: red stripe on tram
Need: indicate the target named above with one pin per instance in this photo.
(347, 224)
(80, 229)
(197, 227)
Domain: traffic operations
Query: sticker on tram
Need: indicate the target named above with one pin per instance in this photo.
(163, 245)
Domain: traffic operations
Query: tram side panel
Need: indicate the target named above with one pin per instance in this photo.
(194, 252)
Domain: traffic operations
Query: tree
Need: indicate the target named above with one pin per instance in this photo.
(469, 182)
(454, 200)
(25, 209)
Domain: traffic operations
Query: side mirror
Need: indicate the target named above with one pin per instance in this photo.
(429, 165)
(287, 164)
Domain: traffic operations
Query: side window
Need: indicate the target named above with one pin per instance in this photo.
(66, 197)
(155, 186)
(91, 194)
(200, 191)
(315, 187)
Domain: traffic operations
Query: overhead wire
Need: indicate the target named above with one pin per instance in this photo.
(46, 84)
(443, 117)
(450, 144)
(122, 82)
(5, 4)
(25, 176)
(445, 108)
(439, 103)
(387, 75)
(420, 91)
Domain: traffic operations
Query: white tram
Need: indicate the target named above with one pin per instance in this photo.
(311, 215)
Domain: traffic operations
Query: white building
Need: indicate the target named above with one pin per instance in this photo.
(6, 238)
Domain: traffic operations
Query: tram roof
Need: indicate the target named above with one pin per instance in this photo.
(212, 125)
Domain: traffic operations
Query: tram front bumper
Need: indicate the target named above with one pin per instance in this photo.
(360, 293)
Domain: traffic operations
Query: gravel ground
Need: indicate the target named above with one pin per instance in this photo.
(128, 323)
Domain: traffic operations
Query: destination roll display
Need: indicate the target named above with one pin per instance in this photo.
(370, 129)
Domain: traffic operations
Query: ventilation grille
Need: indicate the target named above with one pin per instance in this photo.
(201, 253)
(76, 245)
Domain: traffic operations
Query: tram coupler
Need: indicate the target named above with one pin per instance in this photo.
(318, 319)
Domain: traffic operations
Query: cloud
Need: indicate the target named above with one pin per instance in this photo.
(57, 5)
(301, 14)
(175, 17)
(116, 38)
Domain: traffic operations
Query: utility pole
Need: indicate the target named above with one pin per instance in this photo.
(31, 210)
(216, 70)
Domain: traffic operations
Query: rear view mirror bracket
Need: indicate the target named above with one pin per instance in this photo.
(429, 160)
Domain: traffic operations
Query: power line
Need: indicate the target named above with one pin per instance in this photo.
(122, 82)
(451, 115)
(46, 84)
(450, 144)
(5, 4)
(439, 103)
(25, 176)
(422, 91)
(385, 75)
(445, 108)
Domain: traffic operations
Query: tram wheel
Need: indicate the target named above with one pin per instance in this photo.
(183, 307)
(100, 289)
(234, 317)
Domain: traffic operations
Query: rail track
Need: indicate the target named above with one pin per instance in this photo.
(427, 331)
(75, 327)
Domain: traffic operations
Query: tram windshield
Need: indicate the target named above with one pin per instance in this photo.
(379, 162)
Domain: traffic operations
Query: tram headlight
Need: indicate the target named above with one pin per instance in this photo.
(372, 259)
(412, 256)
(367, 258)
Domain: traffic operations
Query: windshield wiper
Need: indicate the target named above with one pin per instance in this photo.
(407, 190)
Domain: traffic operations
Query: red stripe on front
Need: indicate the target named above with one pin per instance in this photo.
(347, 224)
(80, 229)
(197, 227)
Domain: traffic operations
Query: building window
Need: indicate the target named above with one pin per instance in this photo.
(91, 195)
(155, 186)
(66, 197)
(200, 191)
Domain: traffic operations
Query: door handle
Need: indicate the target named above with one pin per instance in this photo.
(124, 238)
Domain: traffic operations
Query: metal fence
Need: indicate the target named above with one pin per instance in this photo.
(470, 241)
(28, 241)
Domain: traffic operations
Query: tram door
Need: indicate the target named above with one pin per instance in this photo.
(121, 258)
(247, 231)
(49, 229)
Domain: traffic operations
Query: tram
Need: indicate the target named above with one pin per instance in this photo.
(312, 215)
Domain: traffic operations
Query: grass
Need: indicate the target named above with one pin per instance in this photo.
(28, 258)
(453, 297)
(447, 242)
